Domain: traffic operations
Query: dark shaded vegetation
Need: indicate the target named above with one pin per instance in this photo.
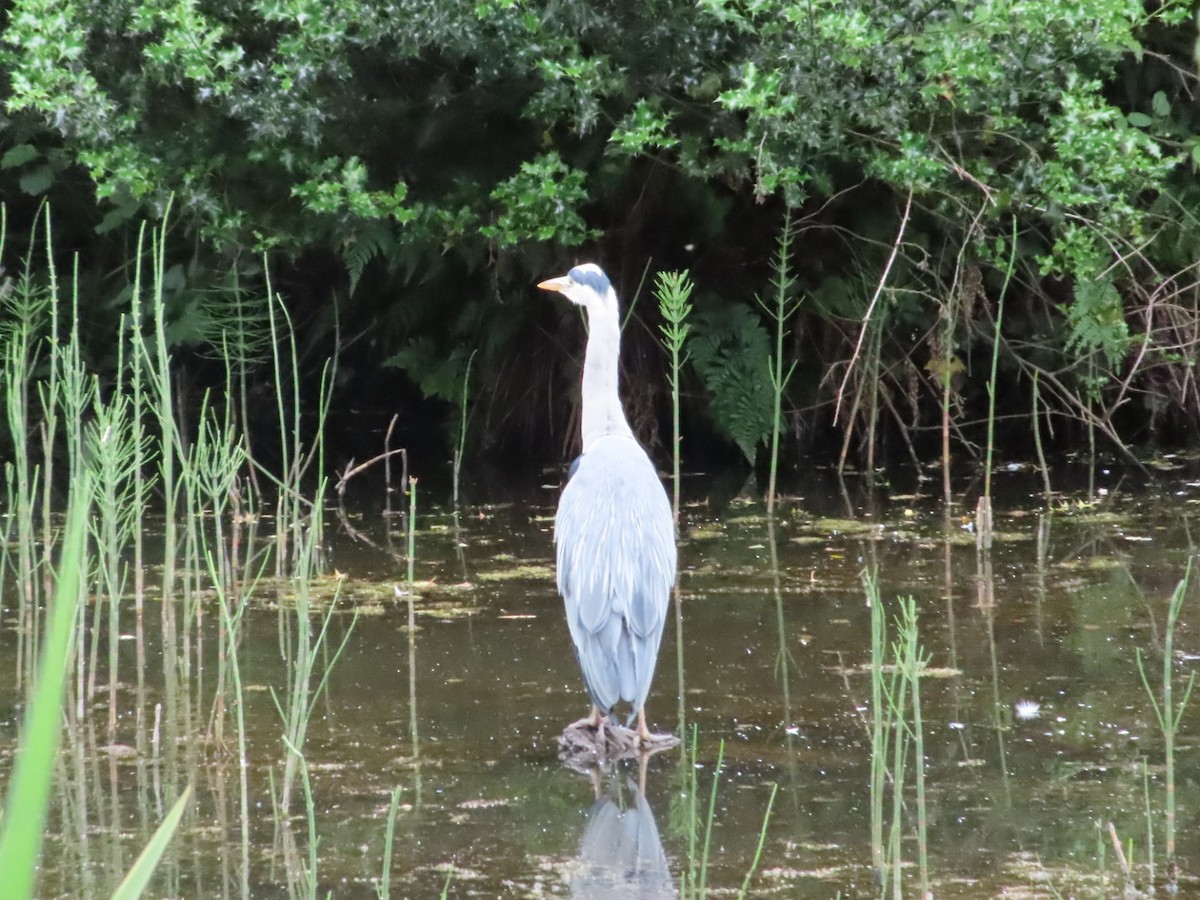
(407, 170)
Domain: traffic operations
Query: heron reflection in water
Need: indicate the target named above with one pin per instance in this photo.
(614, 534)
(620, 854)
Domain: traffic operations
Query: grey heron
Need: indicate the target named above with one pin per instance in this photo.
(614, 532)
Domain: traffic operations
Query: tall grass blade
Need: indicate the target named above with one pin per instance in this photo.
(708, 824)
(143, 867)
(29, 790)
(762, 839)
(384, 889)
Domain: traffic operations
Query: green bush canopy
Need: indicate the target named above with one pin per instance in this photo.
(405, 170)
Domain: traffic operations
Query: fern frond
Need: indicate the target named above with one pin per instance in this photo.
(375, 239)
(1097, 321)
(731, 351)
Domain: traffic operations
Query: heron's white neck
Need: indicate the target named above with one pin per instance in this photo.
(602, 412)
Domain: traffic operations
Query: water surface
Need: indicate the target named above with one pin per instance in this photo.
(775, 643)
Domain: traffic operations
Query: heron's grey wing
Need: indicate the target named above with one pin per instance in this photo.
(651, 588)
(616, 564)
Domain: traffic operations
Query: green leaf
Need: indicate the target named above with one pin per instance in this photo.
(1160, 104)
(115, 217)
(37, 181)
(1139, 120)
(18, 156)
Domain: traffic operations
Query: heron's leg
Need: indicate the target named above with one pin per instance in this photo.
(643, 733)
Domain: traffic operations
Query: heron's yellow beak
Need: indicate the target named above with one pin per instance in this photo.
(554, 284)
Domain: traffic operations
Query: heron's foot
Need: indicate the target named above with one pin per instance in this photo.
(650, 742)
(646, 740)
(588, 723)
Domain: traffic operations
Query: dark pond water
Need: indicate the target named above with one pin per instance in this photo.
(1037, 728)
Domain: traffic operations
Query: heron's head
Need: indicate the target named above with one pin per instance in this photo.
(584, 285)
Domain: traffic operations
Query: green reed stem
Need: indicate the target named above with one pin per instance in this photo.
(684, 812)
(762, 839)
(23, 307)
(384, 889)
(991, 384)
(310, 816)
(1167, 711)
(783, 287)
(897, 701)
(1037, 436)
(1149, 816)
(159, 365)
(109, 442)
(913, 666)
(287, 512)
(708, 822)
(674, 291)
(302, 696)
(140, 489)
(460, 449)
(49, 393)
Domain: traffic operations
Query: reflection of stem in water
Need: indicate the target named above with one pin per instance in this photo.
(985, 587)
(412, 637)
(784, 660)
(676, 594)
(948, 587)
(232, 624)
(1037, 437)
(1039, 594)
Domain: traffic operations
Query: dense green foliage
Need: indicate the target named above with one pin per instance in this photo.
(410, 167)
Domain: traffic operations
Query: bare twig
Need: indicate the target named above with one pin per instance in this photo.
(871, 306)
(352, 470)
